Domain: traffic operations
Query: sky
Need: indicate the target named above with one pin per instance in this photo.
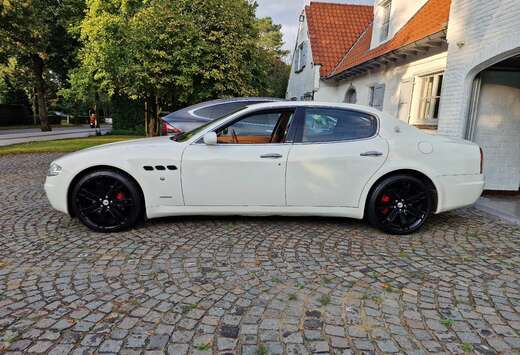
(286, 13)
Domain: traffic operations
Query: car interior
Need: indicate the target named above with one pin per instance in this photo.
(260, 128)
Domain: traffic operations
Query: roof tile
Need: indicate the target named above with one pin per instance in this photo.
(430, 19)
(333, 29)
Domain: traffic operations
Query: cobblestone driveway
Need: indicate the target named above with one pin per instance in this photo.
(250, 285)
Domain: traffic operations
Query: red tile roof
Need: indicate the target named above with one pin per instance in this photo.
(430, 19)
(333, 29)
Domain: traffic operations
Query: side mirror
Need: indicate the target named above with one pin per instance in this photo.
(210, 138)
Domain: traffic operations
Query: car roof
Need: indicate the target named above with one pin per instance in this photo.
(316, 104)
(188, 112)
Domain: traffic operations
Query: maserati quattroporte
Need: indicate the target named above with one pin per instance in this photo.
(277, 158)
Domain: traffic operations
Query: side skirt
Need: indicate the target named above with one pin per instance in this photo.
(165, 211)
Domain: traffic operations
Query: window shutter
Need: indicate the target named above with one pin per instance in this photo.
(405, 100)
(379, 95)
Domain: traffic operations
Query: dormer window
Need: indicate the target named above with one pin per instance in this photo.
(384, 8)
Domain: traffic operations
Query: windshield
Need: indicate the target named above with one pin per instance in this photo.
(183, 137)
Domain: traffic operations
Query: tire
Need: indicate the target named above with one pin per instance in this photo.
(400, 205)
(106, 201)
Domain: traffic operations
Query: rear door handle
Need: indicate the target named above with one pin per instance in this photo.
(271, 156)
(371, 154)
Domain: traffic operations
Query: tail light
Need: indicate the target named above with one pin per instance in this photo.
(481, 161)
(168, 129)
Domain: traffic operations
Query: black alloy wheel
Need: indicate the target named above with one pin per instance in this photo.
(400, 205)
(106, 201)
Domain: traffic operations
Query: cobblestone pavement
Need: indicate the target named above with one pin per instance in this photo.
(250, 285)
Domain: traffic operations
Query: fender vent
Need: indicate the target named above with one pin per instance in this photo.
(148, 168)
(160, 167)
(172, 167)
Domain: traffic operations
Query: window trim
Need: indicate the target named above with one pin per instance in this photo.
(300, 122)
(417, 99)
(290, 134)
(384, 28)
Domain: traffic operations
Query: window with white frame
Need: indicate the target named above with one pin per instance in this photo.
(384, 6)
(300, 57)
(429, 89)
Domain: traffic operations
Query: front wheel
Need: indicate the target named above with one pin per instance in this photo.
(106, 201)
(400, 205)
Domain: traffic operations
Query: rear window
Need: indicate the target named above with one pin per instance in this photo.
(221, 110)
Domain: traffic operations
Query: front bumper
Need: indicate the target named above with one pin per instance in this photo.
(459, 191)
(56, 190)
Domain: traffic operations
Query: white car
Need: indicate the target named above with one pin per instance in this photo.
(280, 158)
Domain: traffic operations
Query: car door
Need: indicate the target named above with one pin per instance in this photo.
(335, 153)
(245, 168)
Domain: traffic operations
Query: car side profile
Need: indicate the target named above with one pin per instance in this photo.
(278, 158)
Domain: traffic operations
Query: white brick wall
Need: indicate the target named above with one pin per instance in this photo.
(480, 33)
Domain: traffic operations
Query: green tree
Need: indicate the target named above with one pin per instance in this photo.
(272, 58)
(173, 53)
(34, 34)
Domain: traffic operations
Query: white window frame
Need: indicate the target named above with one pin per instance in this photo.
(426, 98)
(385, 7)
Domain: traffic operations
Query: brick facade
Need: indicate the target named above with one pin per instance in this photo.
(480, 33)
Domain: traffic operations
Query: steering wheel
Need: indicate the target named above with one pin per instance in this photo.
(234, 135)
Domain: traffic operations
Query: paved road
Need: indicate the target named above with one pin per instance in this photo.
(15, 136)
(245, 285)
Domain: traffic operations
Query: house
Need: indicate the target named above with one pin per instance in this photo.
(447, 67)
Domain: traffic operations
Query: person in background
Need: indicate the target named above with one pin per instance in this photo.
(93, 119)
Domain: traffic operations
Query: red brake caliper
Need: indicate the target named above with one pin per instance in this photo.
(385, 199)
(120, 196)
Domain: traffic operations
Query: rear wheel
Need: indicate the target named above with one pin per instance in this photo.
(106, 201)
(400, 204)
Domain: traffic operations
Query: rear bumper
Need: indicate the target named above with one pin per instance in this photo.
(459, 191)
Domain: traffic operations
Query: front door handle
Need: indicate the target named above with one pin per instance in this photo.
(371, 154)
(271, 156)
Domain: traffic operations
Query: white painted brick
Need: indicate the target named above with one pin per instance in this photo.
(488, 28)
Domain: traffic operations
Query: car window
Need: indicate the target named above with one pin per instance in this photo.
(329, 125)
(183, 137)
(259, 128)
(220, 110)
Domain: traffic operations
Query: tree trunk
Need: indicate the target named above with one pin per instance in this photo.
(39, 87)
(157, 120)
(34, 100)
(153, 127)
(146, 117)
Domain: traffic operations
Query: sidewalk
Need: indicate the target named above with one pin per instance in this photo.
(15, 136)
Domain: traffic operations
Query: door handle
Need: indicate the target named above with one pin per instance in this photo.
(371, 154)
(271, 156)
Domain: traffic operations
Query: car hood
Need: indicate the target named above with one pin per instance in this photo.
(129, 144)
(120, 150)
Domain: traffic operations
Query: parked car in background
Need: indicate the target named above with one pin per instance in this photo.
(277, 158)
(189, 118)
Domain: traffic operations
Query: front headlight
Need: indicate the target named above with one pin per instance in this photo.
(54, 170)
